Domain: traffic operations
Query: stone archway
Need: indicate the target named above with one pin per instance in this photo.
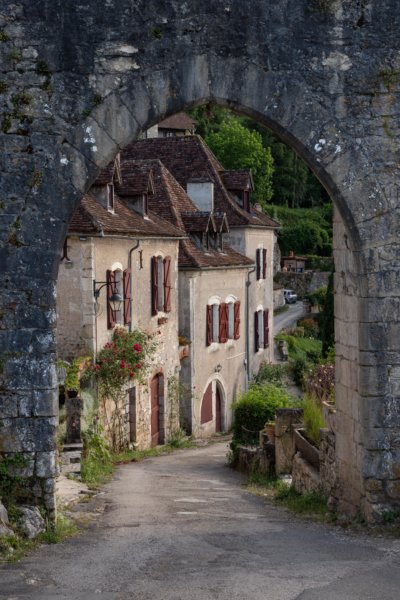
(82, 81)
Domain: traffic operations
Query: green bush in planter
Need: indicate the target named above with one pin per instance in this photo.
(254, 408)
(313, 419)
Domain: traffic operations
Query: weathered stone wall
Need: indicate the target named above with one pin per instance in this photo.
(81, 80)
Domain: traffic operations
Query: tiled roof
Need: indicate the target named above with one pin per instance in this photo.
(238, 180)
(91, 218)
(190, 256)
(171, 202)
(178, 121)
(137, 178)
(187, 158)
(197, 221)
(106, 175)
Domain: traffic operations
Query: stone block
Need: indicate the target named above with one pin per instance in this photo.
(284, 444)
(27, 435)
(393, 489)
(305, 477)
(45, 464)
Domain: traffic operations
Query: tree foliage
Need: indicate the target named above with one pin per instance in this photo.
(236, 147)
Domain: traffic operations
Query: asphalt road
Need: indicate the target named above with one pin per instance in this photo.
(294, 312)
(181, 527)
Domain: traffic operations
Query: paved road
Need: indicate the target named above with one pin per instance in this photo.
(294, 312)
(180, 527)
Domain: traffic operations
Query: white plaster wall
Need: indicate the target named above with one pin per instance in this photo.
(247, 240)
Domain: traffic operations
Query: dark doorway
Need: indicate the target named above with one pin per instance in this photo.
(155, 411)
(218, 409)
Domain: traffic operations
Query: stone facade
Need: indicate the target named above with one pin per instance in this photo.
(323, 76)
(82, 323)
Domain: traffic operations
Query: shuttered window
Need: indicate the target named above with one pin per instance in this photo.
(127, 296)
(223, 323)
(161, 286)
(111, 316)
(208, 326)
(213, 324)
(236, 309)
(259, 330)
(266, 327)
(258, 264)
(264, 258)
(167, 284)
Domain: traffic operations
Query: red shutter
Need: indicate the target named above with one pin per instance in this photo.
(236, 327)
(266, 328)
(167, 284)
(111, 316)
(209, 326)
(206, 406)
(154, 286)
(264, 263)
(256, 334)
(223, 323)
(127, 296)
(258, 264)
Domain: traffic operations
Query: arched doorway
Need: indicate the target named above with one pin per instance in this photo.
(212, 408)
(305, 92)
(218, 409)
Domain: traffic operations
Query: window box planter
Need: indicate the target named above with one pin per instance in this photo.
(308, 451)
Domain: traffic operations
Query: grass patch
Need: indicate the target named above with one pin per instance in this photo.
(137, 455)
(281, 493)
(13, 548)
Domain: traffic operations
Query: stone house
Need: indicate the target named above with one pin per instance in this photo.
(225, 276)
(116, 243)
(175, 125)
(293, 263)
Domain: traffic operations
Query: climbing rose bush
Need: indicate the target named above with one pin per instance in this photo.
(122, 360)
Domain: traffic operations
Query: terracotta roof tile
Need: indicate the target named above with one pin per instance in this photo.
(187, 158)
(178, 121)
(238, 180)
(197, 221)
(137, 179)
(91, 217)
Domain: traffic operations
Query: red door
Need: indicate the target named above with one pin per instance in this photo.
(218, 410)
(155, 411)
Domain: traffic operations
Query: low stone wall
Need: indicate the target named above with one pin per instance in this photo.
(327, 466)
(255, 459)
(305, 477)
(285, 420)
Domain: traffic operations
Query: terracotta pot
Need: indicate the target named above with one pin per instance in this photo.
(307, 450)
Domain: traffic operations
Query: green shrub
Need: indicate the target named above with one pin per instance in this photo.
(300, 368)
(271, 374)
(254, 408)
(310, 326)
(97, 464)
(313, 419)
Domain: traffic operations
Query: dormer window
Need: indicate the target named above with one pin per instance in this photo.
(145, 205)
(110, 197)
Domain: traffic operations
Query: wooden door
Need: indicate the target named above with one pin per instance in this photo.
(155, 411)
(132, 415)
(218, 410)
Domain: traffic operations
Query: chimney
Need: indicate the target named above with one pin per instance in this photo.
(291, 254)
(201, 192)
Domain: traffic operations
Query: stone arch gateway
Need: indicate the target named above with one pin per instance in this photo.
(79, 81)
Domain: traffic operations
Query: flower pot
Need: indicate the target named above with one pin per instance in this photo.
(308, 451)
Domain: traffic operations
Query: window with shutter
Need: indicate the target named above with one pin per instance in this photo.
(215, 322)
(231, 320)
(256, 333)
(208, 326)
(111, 317)
(167, 284)
(258, 265)
(236, 309)
(223, 323)
(127, 296)
(154, 286)
(266, 328)
(264, 270)
(260, 329)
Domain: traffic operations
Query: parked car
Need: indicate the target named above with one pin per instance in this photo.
(290, 296)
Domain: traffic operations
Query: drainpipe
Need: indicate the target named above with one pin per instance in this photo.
(248, 283)
(130, 269)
